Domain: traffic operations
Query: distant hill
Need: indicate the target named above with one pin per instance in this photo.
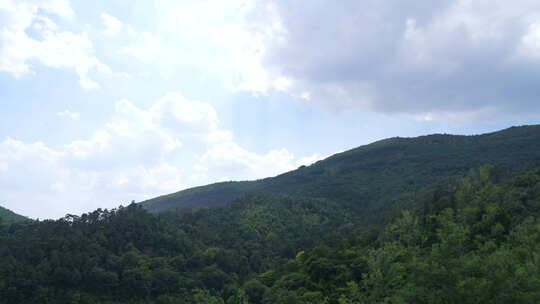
(319, 234)
(393, 171)
(8, 216)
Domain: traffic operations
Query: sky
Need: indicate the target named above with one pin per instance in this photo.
(104, 102)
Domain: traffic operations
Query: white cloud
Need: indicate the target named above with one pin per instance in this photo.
(69, 114)
(140, 153)
(48, 45)
(147, 48)
(530, 42)
(209, 36)
(4, 166)
(113, 26)
(242, 164)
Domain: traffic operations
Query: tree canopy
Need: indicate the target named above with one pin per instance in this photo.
(473, 240)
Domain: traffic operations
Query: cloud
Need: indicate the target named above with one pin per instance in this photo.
(445, 58)
(208, 36)
(147, 48)
(113, 26)
(69, 114)
(231, 158)
(28, 34)
(140, 153)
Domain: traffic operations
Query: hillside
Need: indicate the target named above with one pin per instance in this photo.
(319, 234)
(474, 240)
(129, 255)
(379, 177)
(8, 216)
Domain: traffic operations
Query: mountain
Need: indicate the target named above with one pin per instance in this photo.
(128, 255)
(378, 177)
(319, 234)
(475, 240)
(8, 216)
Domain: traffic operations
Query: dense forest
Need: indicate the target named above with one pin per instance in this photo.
(129, 255)
(418, 220)
(475, 241)
(7, 216)
(472, 240)
(378, 179)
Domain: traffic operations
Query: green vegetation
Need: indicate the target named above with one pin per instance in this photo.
(206, 196)
(381, 178)
(129, 255)
(475, 240)
(7, 216)
(327, 233)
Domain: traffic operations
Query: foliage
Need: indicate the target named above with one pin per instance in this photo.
(476, 240)
(381, 178)
(7, 216)
(319, 234)
(479, 242)
(128, 255)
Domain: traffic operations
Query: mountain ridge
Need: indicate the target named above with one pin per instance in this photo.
(326, 238)
(380, 171)
(8, 216)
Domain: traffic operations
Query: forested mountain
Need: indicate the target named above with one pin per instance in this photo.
(131, 256)
(379, 178)
(8, 216)
(459, 233)
(475, 240)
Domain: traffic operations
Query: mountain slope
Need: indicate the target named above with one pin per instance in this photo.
(8, 216)
(128, 255)
(476, 243)
(469, 240)
(391, 170)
